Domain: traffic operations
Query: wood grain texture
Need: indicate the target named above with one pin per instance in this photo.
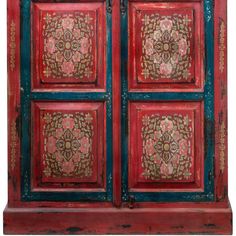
(176, 220)
(14, 115)
(221, 124)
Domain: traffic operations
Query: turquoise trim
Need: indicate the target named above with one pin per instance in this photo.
(27, 96)
(165, 96)
(207, 96)
(68, 96)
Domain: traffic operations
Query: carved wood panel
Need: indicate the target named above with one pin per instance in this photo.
(166, 145)
(68, 46)
(68, 145)
(166, 46)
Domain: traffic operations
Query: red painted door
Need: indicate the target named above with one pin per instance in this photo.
(167, 102)
(72, 99)
(66, 101)
(117, 117)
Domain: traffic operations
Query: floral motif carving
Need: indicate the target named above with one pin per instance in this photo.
(13, 144)
(222, 45)
(68, 142)
(69, 45)
(12, 46)
(166, 46)
(222, 146)
(167, 145)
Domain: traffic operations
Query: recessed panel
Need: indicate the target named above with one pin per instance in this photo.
(68, 145)
(165, 48)
(166, 145)
(69, 44)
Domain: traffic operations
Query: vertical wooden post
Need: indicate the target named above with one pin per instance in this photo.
(116, 89)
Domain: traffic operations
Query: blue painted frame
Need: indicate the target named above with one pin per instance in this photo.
(207, 96)
(27, 96)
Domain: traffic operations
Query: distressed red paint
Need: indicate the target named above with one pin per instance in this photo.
(155, 127)
(52, 217)
(71, 146)
(70, 55)
(162, 58)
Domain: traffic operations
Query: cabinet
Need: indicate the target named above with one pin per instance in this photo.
(117, 117)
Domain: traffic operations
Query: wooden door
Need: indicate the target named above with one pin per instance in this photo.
(167, 101)
(66, 101)
(116, 101)
(117, 117)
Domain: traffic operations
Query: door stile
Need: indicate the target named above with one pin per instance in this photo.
(14, 113)
(116, 101)
(221, 151)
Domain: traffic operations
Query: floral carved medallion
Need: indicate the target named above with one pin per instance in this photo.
(68, 140)
(166, 41)
(167, 146)
(69, 45)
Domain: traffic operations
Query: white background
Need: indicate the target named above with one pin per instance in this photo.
(231, 107)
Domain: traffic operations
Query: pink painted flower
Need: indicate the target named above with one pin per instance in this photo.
(175, 35)
(166, 169)
(67, 23)
(77, 33)
(59, 158)
(166, 24)
(149, 147)
(68, 123)
(59, 133)
(76, 57)
(76, 158)
(176, 135)
(77, 133)
(59, 57)
(157, 58)
(157, 135)
(183, 147)
(165, 68)
(58, 33)
(50, 45)
(157, 159)
(156, 34)
(166, 125)
(175, 58)
(84, 45)
(149, 46)
(67, 67)
(84, 145)
(51, 144)
(175, 159)
(68, 167)
(182, 47)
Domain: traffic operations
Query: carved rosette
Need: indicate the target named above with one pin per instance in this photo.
(68, 144)
(166, 43)
(68, 45)
(167, 145)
